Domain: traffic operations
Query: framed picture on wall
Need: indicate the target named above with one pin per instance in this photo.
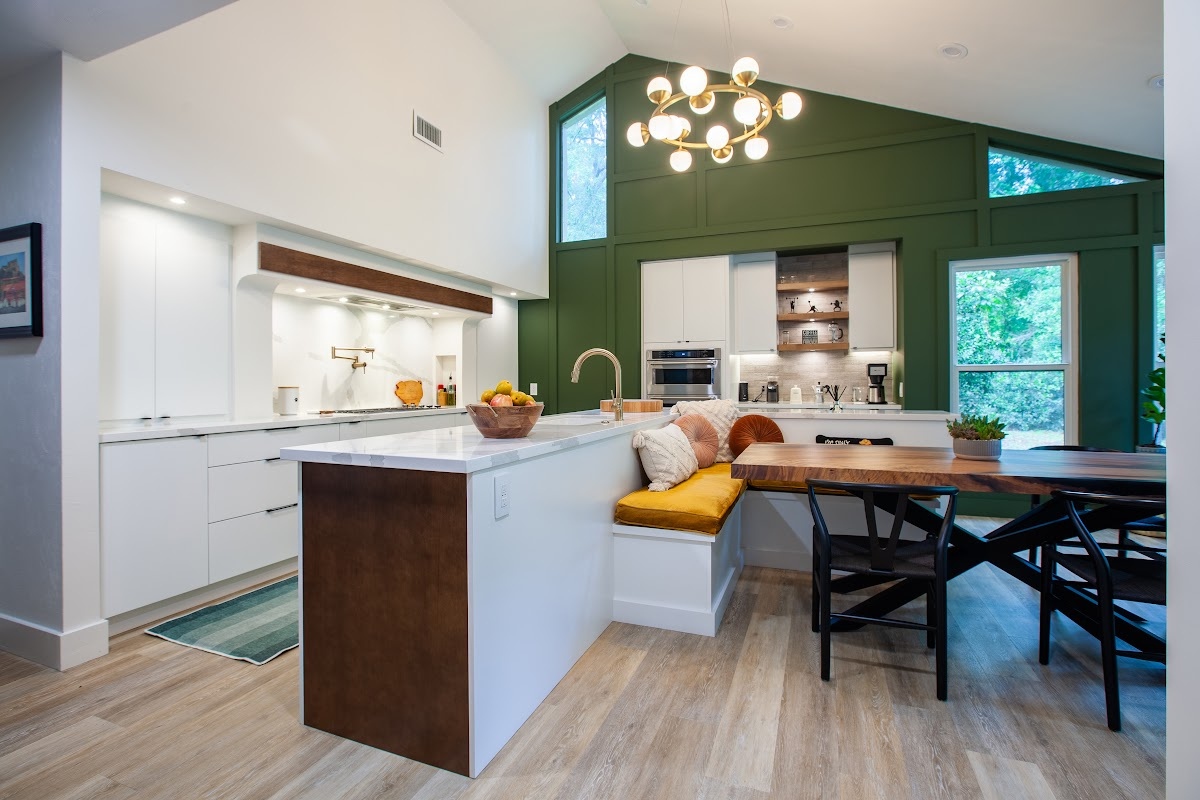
(21, 281)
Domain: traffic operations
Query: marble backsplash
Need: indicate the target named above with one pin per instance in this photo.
(805, 369)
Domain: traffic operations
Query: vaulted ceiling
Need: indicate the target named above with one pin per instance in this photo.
(1078, 70)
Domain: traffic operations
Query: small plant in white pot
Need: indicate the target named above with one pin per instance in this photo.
(976, 437)
(1154, 407)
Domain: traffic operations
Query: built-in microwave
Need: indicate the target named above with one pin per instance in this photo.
(675, 375)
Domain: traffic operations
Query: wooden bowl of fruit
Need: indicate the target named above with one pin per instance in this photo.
(504, 413)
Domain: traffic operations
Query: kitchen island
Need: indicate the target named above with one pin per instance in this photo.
(448, 581)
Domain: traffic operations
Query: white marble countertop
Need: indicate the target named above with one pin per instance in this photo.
(128, 431)
(465, 450)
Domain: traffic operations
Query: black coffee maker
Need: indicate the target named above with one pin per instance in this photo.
(875, 393)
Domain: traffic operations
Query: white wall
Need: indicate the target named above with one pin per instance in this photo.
(304, 330)
(495, 341)
(301, 110)
(1182, 21)
(30, 376)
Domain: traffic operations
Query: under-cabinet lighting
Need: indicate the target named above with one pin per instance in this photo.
(385, 307)
(343, 299)
(179, 201)
(811, 289)
(300, 290)
(435, 313)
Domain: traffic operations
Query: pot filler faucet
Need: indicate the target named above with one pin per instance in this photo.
(618, 403)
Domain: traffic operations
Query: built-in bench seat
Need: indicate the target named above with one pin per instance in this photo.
(701, 504)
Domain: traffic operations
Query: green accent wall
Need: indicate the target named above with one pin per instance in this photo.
(847, 171)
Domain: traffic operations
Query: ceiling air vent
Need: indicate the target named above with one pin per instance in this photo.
(427, 132)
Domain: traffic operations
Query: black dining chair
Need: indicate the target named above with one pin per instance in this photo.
(1036, 499)
(1136, 573)
(884, 554)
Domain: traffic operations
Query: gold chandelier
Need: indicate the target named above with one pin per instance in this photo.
(752, 110)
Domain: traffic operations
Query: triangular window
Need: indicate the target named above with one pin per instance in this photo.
(1012, 173)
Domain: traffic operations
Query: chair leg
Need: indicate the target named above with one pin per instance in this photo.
(1108, 657)
(930, 615)
(816, 590)
(826, 622)
(940, 654)
(1122, 538)
(1033, 556)
(1047, 603)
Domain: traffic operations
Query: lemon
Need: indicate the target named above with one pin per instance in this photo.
(520, 398)
(504, 387)
(487, 396)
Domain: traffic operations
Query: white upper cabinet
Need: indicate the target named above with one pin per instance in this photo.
(754, 307)
(685, 302)
(164, 313)
(872, 297)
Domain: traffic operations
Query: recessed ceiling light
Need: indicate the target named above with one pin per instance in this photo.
(783, 23)
(343, 299)
(300, 290)
(1156, 82)
(177, 200)
(953, 50)
(512, 294)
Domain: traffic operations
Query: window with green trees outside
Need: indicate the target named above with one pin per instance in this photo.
(583, 174)
(1011, 346)
(1013, 173)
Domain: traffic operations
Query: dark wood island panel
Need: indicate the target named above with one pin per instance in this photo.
(385, 658)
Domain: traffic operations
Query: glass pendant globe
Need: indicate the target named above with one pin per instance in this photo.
(723, 155)
(637, 134)
(717, 137)
(756, 147)
(660, 126)
(693, 81)
(681, 160)
(747, 110)
(658, 89)
(702, 104)
(745, 71)
(682, 127)
(790, 104)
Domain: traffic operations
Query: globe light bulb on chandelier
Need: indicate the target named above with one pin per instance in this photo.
(717, 137)
(723, 155)
(693, 81)
(638, 134)
(681, 160)
(747, 110)
(756, 148)
(661, 126)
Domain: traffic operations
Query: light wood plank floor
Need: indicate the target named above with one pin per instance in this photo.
(644, 714)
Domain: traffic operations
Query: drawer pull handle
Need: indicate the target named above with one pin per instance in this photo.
(281, 430)
(281, 508)
(269, 460)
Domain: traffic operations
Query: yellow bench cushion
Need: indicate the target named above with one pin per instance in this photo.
(700, 504)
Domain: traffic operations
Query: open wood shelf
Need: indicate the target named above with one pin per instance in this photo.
(819, 286)
(818, 346)
(813, 317)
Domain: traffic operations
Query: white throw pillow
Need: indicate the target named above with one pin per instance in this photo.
(721, 413)
(667, 456)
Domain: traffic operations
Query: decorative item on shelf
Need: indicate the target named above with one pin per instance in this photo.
(793, 305)
(786, 336)
(808, 336)
(837, 305)
(975, 437)
(1154, 407)
(752, 110)
(812, 308)
(835, 332)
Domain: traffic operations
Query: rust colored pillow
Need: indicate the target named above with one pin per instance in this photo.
(750, 429)
(703, 436)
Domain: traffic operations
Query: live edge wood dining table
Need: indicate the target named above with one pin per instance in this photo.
(1027, 472)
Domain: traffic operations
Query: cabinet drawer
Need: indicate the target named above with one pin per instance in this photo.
(235, 448)
(238, 489)
(247, 543)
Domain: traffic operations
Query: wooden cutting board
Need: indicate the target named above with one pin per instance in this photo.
(409, 392)
(634, 406)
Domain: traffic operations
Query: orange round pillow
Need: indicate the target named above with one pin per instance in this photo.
(750, 429)
(703, 437)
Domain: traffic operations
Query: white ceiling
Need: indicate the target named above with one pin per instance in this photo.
(34, 29)
(1068, 69)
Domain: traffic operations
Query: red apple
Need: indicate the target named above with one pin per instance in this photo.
(501, 400)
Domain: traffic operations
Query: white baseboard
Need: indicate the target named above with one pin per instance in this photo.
(175, 606)
(58, 650)
(684, 620)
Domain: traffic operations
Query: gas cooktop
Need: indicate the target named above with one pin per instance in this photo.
(386, 410)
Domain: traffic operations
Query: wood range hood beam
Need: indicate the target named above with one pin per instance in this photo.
(273, 258)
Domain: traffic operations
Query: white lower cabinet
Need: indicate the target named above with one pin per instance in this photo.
(153, 521)
(235, 490)
(242, 544)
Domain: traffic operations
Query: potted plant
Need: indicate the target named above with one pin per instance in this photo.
(1154, 407)
(976, 437)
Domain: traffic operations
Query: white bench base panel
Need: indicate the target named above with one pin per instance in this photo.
(676, 580)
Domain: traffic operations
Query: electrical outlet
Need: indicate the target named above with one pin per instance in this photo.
(533, 388)
(501, 492)
(901, 389)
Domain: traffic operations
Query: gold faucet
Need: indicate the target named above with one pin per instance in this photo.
(355, 361)
(618, 403)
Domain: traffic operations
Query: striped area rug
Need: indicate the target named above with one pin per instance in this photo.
(254, 627)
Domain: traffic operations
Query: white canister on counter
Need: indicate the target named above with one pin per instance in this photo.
(289, 400)
(797, 395)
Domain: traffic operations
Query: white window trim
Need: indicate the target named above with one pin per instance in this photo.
(1070, 332)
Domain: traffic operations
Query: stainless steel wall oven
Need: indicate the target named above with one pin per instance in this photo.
(674, 375)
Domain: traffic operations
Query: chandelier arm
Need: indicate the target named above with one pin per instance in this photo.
(768, 113)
